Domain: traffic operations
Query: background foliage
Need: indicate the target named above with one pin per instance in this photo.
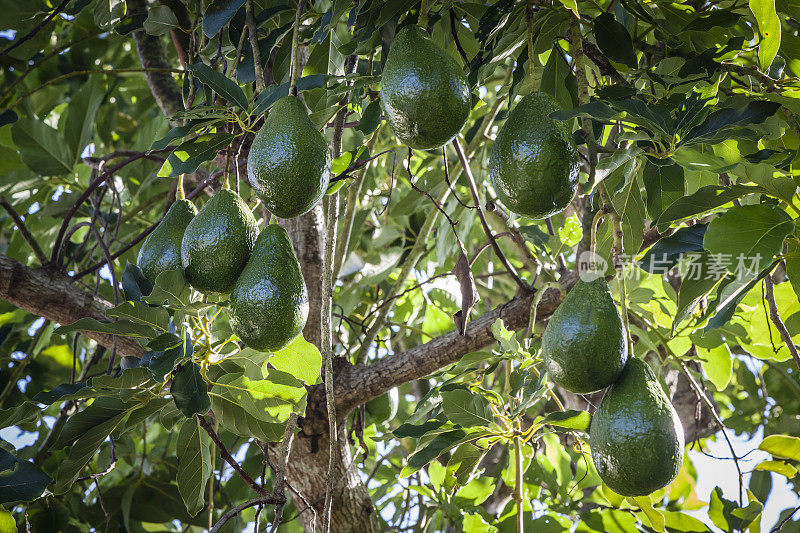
(686, 117)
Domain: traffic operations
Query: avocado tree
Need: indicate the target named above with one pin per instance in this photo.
(291, 266)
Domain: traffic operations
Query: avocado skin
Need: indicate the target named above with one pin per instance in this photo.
(289, 164)
(269, 304)
(635, 435)
(217, 243)
(424, 93)
(161, 249)
(533, 164)
(383, 408)
(583, 347)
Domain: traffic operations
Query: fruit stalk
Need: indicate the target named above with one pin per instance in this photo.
(488, 230)
(293, 64)
(518, 484)
(250, 21)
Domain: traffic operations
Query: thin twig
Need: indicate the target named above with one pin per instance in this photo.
(293, 64)
(267, 499)
(31, 34)
(280, 473)
(780, 524)
(23, 230)
(225, 454)
(776, 319)
(482, 216)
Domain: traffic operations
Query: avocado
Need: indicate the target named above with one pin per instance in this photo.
(533, 165)
(584, 346)
(424, 93)
(383, 408)
(635, 435)
(289, 164)
(161, 249)
(217, 243)
(269, 303)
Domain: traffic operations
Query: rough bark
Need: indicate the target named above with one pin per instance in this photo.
(151, 53)
(56, 297)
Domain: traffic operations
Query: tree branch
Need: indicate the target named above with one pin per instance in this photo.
(776, 319)
(356, 384)
(23, 229)
(225, 454)
(31, 34)
(56, 297)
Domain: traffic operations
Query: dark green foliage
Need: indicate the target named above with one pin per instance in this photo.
(289, 162)
(533, 164)
(584, 347)
(636, 436)
(217, 243)
(424, 93)
(161, 249)
(269, 304)
(383, 408)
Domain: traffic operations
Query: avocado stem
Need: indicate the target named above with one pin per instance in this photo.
(293, 63)
(179, 190)
(529, 39)
(251, 30)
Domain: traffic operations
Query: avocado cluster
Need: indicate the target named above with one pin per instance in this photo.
(221, 251)
(635, 434)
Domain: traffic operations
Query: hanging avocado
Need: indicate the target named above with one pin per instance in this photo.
(161, 249)
(636, 435)
(217, 243)
(289, 163)
(533, 164)
(424, 93)
(269, 304)
(584, 348)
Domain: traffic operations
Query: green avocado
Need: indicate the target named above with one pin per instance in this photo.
(584, 347)
(533, 164)
(424, 93)
(161, 249)
(217, 243)
(289, 164)
(635, 435)
(383, 408)
(269, 304)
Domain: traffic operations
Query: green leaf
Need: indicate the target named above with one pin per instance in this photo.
(713, 129)
(664, 185)
(18, 414)
(570, 419)
(134, 283)
(218, 14)
(656, 518)
(194, 465)
(20, 481)
(701, 271)
(466, 409)
(783, 446)
(161, 362)
(271, 399)
(124, 328)
(558, 80)
(793, 265)
(614, 40)
(462, 465)
(370, 118)
(753, 234)
(79, 120)
(704, 199)
(42, 148)
(221, 84)
(769, 26)
(155, 317)
(717, 364)
(236, 420)
(666, 253)
(130, 380)
(170, 288)
(86, 431)
(190, 391)
(109, 12)
(779, 467)
(728, 516)
(191, 154)
(301, 359)
(178, 132)
(160, 20)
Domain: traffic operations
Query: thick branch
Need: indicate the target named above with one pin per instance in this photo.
(359, 383)
(165, 90)
(775, 316)
(56, 297)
